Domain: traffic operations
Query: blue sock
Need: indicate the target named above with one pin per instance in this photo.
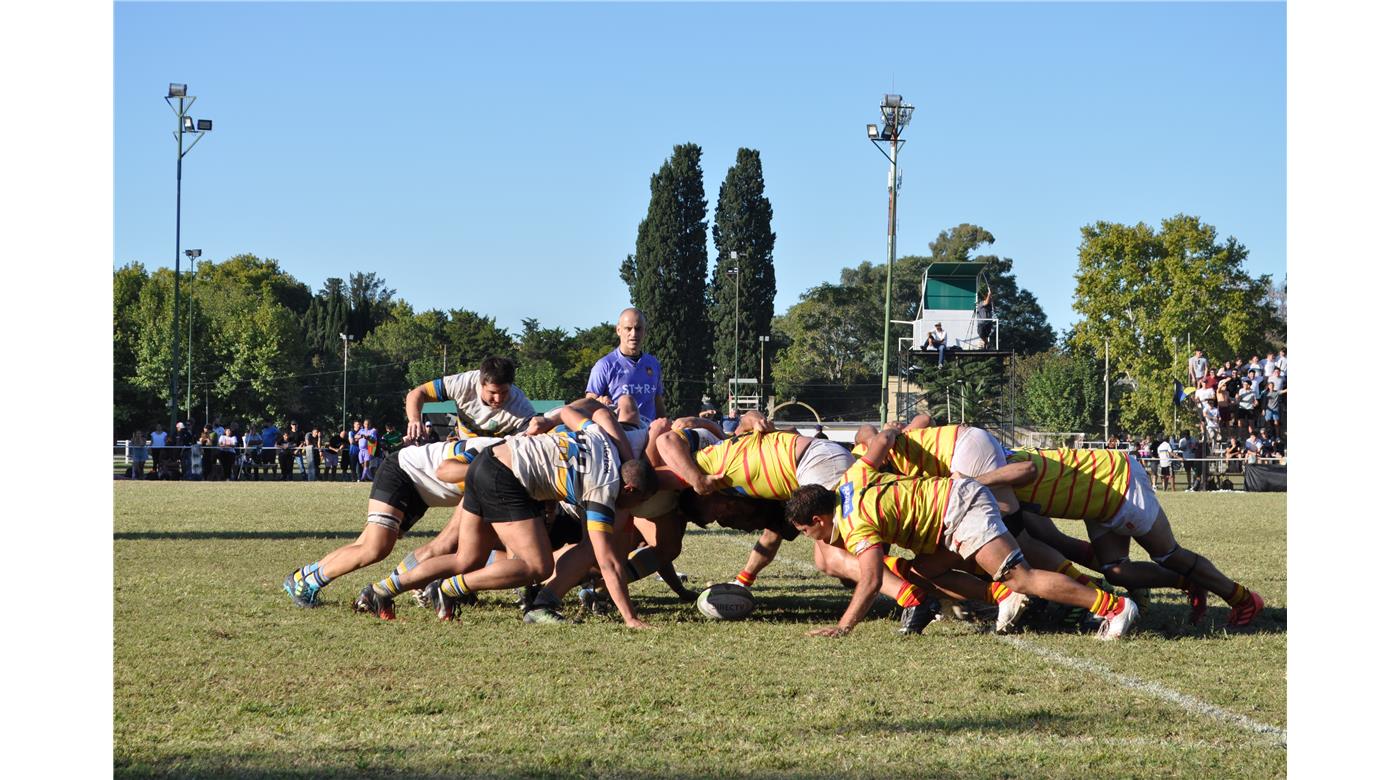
(311, 573)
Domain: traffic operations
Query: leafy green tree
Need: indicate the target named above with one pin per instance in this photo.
(1060, 391)
(743, 238)
(828, 331)
(666, 277)
(1146, 290)
(586, 347)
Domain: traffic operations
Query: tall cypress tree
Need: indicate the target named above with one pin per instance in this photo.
(666, 278)
(743, 225)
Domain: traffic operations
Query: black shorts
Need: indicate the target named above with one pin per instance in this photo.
(566, 529)
(495, 494)
(393, 487)
(1014, 522)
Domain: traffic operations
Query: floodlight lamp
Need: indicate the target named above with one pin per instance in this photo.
(177, 90)
(205, 125)
(193, 253)
(893, 101)
(872, 132)
(734, 255)
(187, 124)
(731, 272)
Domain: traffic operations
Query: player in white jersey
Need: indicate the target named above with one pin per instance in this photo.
(590, 467)
(488, 402)
(405, 486)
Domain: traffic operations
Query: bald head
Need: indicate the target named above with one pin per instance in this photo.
(631, 331)
(865, 433)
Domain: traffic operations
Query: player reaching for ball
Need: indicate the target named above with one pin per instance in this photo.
(760, 462)
(943, 521)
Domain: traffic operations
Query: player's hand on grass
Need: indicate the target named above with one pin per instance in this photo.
(830, 631)
(711, 483)
(639, 623)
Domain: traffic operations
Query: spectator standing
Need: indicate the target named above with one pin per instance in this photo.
(184, 437)
(1273, 407)
(158, 441)
(1246, 405)
(252, 453)
(311, 452)
(228, 452)
(200, 457)
(137, 452)
(1165, 456)
(985, 313)
(369, 441)
(1190, 453)
(209, 452)
(269, 434)
(1282, 362)
(284, 455)
(296, 439)
(1196, 367)
(629, 371)
(352, 440)
(1266, 367)
(430, 432)
(333, 449)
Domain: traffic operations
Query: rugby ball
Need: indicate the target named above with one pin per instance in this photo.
(725, 601)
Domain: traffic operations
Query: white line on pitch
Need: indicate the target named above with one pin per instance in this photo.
(1182, 700)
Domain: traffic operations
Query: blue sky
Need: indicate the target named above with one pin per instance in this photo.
(497, 157)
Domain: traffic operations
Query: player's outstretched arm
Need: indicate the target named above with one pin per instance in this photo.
(878, 451)
(605, 550)
(675, 451)
(872, 568)
(603, 417)
(1010, 475)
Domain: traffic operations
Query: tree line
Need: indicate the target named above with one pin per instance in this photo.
(264, 345)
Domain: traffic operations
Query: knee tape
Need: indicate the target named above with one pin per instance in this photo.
(383, 519)
(1104, 568)
(1013, 560)
(1161, 560)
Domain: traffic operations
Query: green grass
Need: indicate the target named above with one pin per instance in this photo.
(217, 674)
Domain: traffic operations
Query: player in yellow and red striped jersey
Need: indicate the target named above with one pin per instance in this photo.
(1112, 493)
(759, 462)
(943, 521)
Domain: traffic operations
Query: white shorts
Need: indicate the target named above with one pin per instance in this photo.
(824, 463)
(1139, 510)
(978, 452)
(972, 519)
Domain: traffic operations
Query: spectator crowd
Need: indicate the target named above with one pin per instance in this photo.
(262, 450)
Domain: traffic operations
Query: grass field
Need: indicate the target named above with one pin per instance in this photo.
(217, 674)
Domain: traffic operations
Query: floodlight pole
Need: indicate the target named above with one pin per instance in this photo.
(896, 114)
(183, 124)
(1105, 391)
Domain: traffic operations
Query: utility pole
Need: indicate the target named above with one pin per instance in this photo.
(896, 115)
(344, 376)
(1105, 391)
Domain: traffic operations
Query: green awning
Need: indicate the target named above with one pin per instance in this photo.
(450, 407)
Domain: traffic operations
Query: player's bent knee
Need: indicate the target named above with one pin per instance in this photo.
(1013, 566)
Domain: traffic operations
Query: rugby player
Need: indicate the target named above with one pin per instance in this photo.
(760, 462)
(590, 466)
(405, 486)
(488, 402)
(944, 522)
(1112, 493)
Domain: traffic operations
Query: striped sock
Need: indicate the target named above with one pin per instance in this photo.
(311, 573)
(1070, 570)
(406, 565)
(898, 566)
(997, 592)
(1105, 604)
(1238, 595)
(910, 596)
(455, 586)
(389, 586)
(746, 579)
